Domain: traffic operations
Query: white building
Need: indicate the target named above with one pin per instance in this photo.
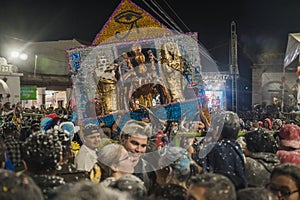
(9, 82)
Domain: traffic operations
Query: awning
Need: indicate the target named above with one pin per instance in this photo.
(292, 51)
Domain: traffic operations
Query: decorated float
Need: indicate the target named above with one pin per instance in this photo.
(137, 68)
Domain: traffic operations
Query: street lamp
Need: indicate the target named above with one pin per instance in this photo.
(16, 54)
(23, 56)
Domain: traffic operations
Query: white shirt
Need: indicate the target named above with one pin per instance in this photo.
(85, 159)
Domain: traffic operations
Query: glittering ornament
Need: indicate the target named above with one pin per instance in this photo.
(127, 23)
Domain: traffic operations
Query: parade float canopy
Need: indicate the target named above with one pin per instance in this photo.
(291, 58)
(167, 66)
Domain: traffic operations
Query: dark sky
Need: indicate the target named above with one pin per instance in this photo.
(262, 25)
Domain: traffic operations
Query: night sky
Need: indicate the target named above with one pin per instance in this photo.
(262, 25)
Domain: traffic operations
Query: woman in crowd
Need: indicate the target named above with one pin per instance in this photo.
(277, 124)
(267, 124)
(289, 144)
(114, 162)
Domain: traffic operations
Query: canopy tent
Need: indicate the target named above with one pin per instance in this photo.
(291, 59)
(292, 52)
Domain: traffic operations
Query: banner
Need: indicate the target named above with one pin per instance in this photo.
(28, 93)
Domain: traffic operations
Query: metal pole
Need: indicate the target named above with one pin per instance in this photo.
(35, 63)
(282, 92)
(234, 71)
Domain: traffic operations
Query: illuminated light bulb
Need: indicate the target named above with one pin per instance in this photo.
(14, 54)
(23, 56)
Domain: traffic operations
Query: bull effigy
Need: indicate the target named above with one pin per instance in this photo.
(139, 69)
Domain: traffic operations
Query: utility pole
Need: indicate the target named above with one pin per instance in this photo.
(234, 71)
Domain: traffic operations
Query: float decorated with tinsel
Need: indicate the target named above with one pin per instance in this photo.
(137, 68)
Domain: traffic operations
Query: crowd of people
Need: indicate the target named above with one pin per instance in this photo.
(46, 154)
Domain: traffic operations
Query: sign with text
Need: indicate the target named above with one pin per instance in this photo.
(28, 93)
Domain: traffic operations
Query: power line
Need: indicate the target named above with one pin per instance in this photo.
(177, 16)
(170, 25)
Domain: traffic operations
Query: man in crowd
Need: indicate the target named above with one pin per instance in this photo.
(87, 155)
(135, 138)
(211, 186)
